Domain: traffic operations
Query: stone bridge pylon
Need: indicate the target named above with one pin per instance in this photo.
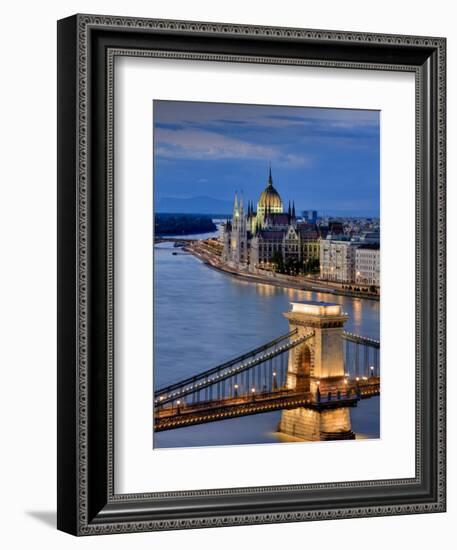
(316, 366)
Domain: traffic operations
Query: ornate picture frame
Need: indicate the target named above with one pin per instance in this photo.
(87, 47)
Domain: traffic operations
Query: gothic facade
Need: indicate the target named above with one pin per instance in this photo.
(257, 238)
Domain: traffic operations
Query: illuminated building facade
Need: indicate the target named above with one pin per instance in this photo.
(257, 238)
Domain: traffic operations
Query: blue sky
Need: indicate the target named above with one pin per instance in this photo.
(324, 159)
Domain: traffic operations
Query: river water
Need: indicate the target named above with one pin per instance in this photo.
(204, 317)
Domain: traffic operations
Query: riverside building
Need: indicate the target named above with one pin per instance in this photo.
(349, 260)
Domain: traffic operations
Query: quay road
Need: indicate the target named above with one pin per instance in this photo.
(207, 253)
(211, 256)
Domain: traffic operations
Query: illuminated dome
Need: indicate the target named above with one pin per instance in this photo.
(269, 201)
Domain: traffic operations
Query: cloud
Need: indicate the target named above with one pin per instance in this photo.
(170, 125)
(291, 137)
(192, 144)
(204, 145)
(229, 121)
(295, 161)
(220, 116)
(324, 158)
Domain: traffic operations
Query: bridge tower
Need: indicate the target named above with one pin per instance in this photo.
(316, 366)
(320, 358)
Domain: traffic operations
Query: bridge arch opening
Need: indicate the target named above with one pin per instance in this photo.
(304, 370)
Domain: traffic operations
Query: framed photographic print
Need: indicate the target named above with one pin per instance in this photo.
(251, 274)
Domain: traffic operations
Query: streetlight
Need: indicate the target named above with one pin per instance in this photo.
(357, 387)
(318, 391)
(275, 381)
(348, 391)
(253, 393)
(178, 402)
(372, 370)
(235, 388)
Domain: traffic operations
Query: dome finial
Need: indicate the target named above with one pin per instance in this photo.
(270, 179)
(269, 201)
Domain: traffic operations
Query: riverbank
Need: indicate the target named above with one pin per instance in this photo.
(209, 316)
(202, 251)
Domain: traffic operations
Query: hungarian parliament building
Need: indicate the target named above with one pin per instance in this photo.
(258, 238)
(254, 238)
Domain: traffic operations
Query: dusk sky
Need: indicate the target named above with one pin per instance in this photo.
(324, 159)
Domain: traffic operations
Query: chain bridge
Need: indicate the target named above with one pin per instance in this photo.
(314, 373)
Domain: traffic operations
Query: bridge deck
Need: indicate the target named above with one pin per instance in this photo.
(168, 418)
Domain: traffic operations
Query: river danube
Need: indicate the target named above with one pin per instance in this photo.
(203, 317)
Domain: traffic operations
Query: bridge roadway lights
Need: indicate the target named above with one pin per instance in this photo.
(288, 403)
(311, 398)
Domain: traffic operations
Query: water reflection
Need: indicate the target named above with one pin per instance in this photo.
(203, 317)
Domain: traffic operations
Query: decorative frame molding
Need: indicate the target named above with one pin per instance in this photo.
(88, 45)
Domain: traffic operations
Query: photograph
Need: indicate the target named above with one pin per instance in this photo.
(251, 274)
(266, 274)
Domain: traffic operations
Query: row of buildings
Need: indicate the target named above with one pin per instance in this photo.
(257, 239)
(350, 260)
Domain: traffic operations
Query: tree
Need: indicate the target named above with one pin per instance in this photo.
(311, 266)
(277, 261)
(292, 266)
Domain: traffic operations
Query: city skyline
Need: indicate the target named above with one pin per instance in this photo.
(324, 159)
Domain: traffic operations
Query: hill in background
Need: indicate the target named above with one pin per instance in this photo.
(193, 205)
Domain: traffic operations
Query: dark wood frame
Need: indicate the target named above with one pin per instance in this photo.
(87, 46)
